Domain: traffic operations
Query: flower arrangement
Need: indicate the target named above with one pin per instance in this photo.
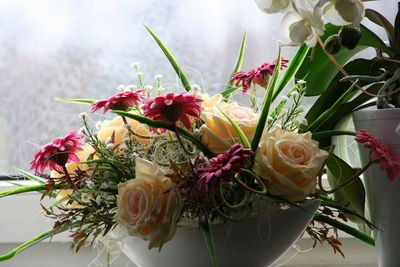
(184, 156)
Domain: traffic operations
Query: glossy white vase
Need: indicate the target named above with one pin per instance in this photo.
(383, 196)
(255, 242)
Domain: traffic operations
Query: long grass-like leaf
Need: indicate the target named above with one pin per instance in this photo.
(31, 176)
(291, 70)
(230, 89)
(345, 228)
(28, 244)
(164, 125)
(330, 133)
(80, 101)
(266, 105)
(328, 202)
(242, 136)
(24, 189)
(172, 60)
(330, 111)
(206, 229)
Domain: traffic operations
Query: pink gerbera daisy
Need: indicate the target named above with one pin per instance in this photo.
(174, 108)
(259, 76)
(57, 153)
(121, 101)
(380, 151)
(224, 166)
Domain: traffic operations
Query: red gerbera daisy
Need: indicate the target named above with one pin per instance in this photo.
(121, 101)
(58, 153)
(224, 166)
(259, 76)
(380, 151)
(174, 108)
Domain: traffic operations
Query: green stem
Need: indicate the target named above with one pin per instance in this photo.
(345, 228)
(30, 243)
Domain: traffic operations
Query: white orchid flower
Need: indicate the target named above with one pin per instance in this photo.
(342, 12)
(304, 24)
(273, 6)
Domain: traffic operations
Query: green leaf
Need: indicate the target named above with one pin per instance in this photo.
(230, 89)
(330, 133)
(31, 176)
(205, 227)
(94, 161)
(80, 101)
(29, 244)
(345, 228)
(24, 189)
(164, 125)
(328, 202)
(380, 20)
(370, 39)
(242, 136)
(327, 114)
(290, 72)
(319, 71)
(172, 60)
(267, 104)
(336, 88)
(351, 196)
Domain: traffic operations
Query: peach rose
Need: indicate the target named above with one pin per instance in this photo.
(217, 133)
(290, 162)
(116, 127)
(83, 155)
(144, 207)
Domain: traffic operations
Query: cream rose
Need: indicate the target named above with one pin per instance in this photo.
(217, 133)
(116, 127)
(290, 162)
(72, 167)
(144, 207)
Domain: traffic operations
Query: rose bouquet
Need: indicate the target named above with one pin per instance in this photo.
(184, 156)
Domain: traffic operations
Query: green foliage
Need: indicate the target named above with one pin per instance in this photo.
(230, 89)
(351, 196)
(80, 101)
(29, 244)
(238, 130)
(319, 71)
(266, 104)
(294, 65)
(23, 189)
(172, 60)
(206, 229)
(345, 228)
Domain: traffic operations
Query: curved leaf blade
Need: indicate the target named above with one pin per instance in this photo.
(172, 60)
(230, 89)
(267, 104)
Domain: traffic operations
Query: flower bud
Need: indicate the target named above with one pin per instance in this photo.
(349, 37)
(332, 44)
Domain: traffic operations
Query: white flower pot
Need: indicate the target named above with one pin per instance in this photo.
(383, 196)
(255, 242)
